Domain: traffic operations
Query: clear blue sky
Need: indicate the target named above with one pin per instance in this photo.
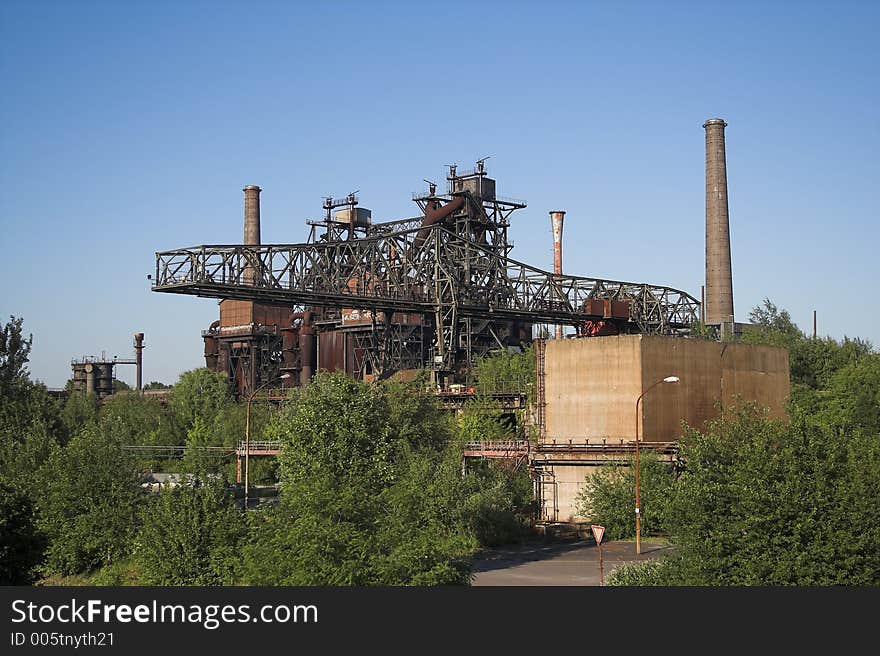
(131, 127)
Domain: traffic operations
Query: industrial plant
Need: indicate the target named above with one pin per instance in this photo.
(438, 290)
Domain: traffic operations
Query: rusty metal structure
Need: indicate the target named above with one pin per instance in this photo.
(96, 375)
(557, 218)
(433, 291)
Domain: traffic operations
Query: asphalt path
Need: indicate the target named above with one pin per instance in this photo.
(557, 563)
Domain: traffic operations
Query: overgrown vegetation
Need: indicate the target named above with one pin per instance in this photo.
(760, 501)
(372, 487)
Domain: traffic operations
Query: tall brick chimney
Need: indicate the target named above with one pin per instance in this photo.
(719, 278)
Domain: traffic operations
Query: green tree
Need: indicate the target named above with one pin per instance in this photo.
(364, 500)
(480, 420)
(15, 350)
(79, 411)
(608, 497)
(88, 505)
(851, 401)
(763, 502)
(21, 543)
(199, 393)
(505, 371)
(30, 420)
(190, 535)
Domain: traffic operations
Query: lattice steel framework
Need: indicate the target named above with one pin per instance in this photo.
(452, 265)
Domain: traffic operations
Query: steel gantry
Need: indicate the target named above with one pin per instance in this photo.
(451, 267)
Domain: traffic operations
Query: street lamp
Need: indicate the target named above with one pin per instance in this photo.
(668, 379)
(247, 434)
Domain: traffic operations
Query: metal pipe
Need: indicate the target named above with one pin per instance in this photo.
(435, 213)
(138, 355)
(556, 220)
(719, 278)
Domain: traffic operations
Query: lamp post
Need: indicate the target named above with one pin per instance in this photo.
(668, 379)
(247, 434)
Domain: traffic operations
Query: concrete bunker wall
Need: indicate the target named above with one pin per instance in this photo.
(591, 387)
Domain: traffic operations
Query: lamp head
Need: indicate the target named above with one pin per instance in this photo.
(671, 379)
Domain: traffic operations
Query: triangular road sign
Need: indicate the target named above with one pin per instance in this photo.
(598, 532)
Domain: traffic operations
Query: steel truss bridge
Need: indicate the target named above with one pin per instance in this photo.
(452, 266)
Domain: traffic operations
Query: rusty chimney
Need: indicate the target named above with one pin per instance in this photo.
(556, 219)
(719, 279)
(138, 354)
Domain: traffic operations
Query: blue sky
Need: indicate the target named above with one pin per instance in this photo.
(131, 127)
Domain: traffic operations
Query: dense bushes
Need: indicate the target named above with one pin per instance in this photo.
(609, 497)
(760, 501)
(190, 535)
(368, 501)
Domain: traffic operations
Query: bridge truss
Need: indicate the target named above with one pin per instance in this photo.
(451, 266)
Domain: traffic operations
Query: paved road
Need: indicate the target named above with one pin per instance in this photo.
(557, 563)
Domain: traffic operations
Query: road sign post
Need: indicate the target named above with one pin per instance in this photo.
(598, 534)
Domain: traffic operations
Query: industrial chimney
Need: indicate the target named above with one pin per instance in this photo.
(252, 215)
(719, 279)
(251, 223)
(556, 219)
(139, 361)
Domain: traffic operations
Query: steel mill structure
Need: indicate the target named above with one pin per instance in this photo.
(95, 375)
(371, 298)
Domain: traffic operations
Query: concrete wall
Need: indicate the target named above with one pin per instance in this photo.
(592, 384)
(559, 492)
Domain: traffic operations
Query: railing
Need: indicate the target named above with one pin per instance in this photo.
(259, 445)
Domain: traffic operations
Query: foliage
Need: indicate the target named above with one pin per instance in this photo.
(496, 503)
(699, 330)
(420, 539)
(89, 500)
(120, 386)
(851, 400)
(199, 393)
(371, 495)
(190, 535)
(813, 361)
(14, 353)
(21, 542)
(30, 420)
(338, 428)
(505, 371)
(480, 421)
(417, 417)
(608, 498)
(651, 572)
(156, 385)
(763, 502)
(79, 411)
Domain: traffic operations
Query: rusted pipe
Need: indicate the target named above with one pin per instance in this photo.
(556, 221)
(138, 354)
(435, 213)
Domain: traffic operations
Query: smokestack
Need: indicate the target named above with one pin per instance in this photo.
(719, 279)
(138, 354)
(556, 219)
(251, 223)
(252, 215)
